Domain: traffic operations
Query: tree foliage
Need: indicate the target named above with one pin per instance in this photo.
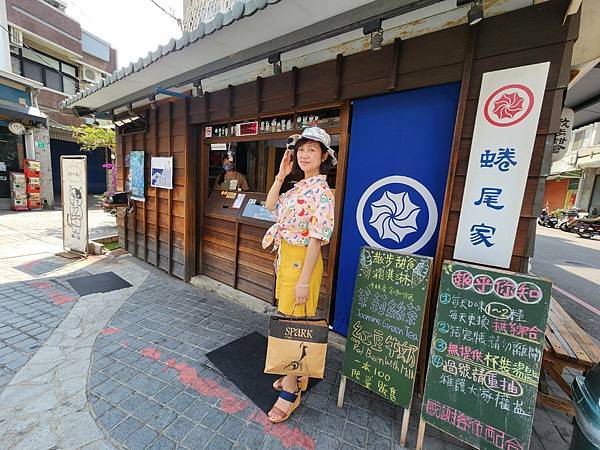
(91, 138)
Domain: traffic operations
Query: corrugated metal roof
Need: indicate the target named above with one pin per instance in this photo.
(243, 8)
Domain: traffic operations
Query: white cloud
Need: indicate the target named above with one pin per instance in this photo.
(133, 27)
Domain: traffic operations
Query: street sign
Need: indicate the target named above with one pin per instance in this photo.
(486, 355)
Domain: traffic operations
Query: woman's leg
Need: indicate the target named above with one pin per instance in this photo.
(290, 384)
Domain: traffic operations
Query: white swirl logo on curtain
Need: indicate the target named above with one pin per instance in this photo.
(394, 215)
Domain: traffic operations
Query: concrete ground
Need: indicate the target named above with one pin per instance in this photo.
(573, 265)
(127, 368)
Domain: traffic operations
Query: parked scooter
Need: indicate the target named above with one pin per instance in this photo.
(588, 228)
(547, 220)
(568, 220)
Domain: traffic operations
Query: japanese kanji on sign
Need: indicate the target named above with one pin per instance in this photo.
(486, 355)
(505, 128)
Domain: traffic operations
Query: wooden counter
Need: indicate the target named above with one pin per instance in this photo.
(232, 250)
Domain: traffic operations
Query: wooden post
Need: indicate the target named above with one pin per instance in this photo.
(404, 429)
(146, 190)
(430, 305)
(421, 435)
(341, 392)
(170, 194)
(156, 195)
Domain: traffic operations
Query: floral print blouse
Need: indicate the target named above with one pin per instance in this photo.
(305, 211)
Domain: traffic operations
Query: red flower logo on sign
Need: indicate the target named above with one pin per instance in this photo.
(508, 105)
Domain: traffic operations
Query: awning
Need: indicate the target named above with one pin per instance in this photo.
(22, 112)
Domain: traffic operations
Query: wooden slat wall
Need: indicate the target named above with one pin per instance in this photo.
(525, 36)
(155, 229)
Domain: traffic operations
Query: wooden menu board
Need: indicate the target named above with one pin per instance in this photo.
(382, 347)
(486, 354)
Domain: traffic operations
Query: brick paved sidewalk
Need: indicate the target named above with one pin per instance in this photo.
(151, 385)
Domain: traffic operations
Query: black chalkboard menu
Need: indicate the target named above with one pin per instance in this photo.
(382, 347)
(486, 353)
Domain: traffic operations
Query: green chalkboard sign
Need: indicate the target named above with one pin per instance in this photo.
(485, 356)
(382, 348)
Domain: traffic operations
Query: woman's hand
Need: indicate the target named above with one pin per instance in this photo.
(285, 167)
(301, 293)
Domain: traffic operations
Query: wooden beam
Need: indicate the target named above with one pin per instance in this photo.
(259, 84)
(134, 210)
(429, 311)
(170, 207)
(395, 64)
(339, 68)
(230, 94)
(561, 404)
(191, 177)
(156, 217)
(145, 223)
(340, 187)
(294, 85)
(207, 107)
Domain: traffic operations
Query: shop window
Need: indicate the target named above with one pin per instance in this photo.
(16, 64)
(53, 80)
(596, 134)
(33, 71)
(257, 146)
(51, 72)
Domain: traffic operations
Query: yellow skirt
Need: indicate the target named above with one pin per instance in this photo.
(291, 261)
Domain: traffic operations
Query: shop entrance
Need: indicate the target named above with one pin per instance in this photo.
(396, 179)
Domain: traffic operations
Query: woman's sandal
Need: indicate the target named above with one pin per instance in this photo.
(294, 399)
(302, 384)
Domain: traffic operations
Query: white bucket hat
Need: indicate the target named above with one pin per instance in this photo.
(314, 134)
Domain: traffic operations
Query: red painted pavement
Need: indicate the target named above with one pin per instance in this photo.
(110, 330)
(230, 404)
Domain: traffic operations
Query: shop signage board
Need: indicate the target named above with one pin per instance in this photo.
(397, 170)
(486, 355)
(510, 102)
(161, 172)
(73, 175)
(563, 137)
(136, 169)
(382, 347)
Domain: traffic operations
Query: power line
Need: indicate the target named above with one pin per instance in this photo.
(75, 82)
(170, 14)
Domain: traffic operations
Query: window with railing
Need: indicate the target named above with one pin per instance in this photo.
(51, 72)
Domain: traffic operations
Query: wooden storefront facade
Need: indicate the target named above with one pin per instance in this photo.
(173, 229)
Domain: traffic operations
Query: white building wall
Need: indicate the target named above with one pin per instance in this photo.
(196, 11)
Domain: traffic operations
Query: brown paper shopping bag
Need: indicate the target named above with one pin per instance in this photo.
(297, 346)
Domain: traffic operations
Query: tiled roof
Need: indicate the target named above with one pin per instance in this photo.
(241, 9)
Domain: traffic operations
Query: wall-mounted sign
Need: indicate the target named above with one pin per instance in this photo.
(161, 172)
(505, 127)
(218, 147)
(563, 137)
(246, 129)
(136, 171)
(208, 132)
(73, 173)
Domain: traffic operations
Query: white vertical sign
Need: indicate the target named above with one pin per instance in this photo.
(508, 112)
(73, 173)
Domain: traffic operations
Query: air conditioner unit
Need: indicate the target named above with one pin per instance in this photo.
(90, 75)
(16, 36)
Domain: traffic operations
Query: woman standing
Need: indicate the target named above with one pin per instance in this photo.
(305, 216)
